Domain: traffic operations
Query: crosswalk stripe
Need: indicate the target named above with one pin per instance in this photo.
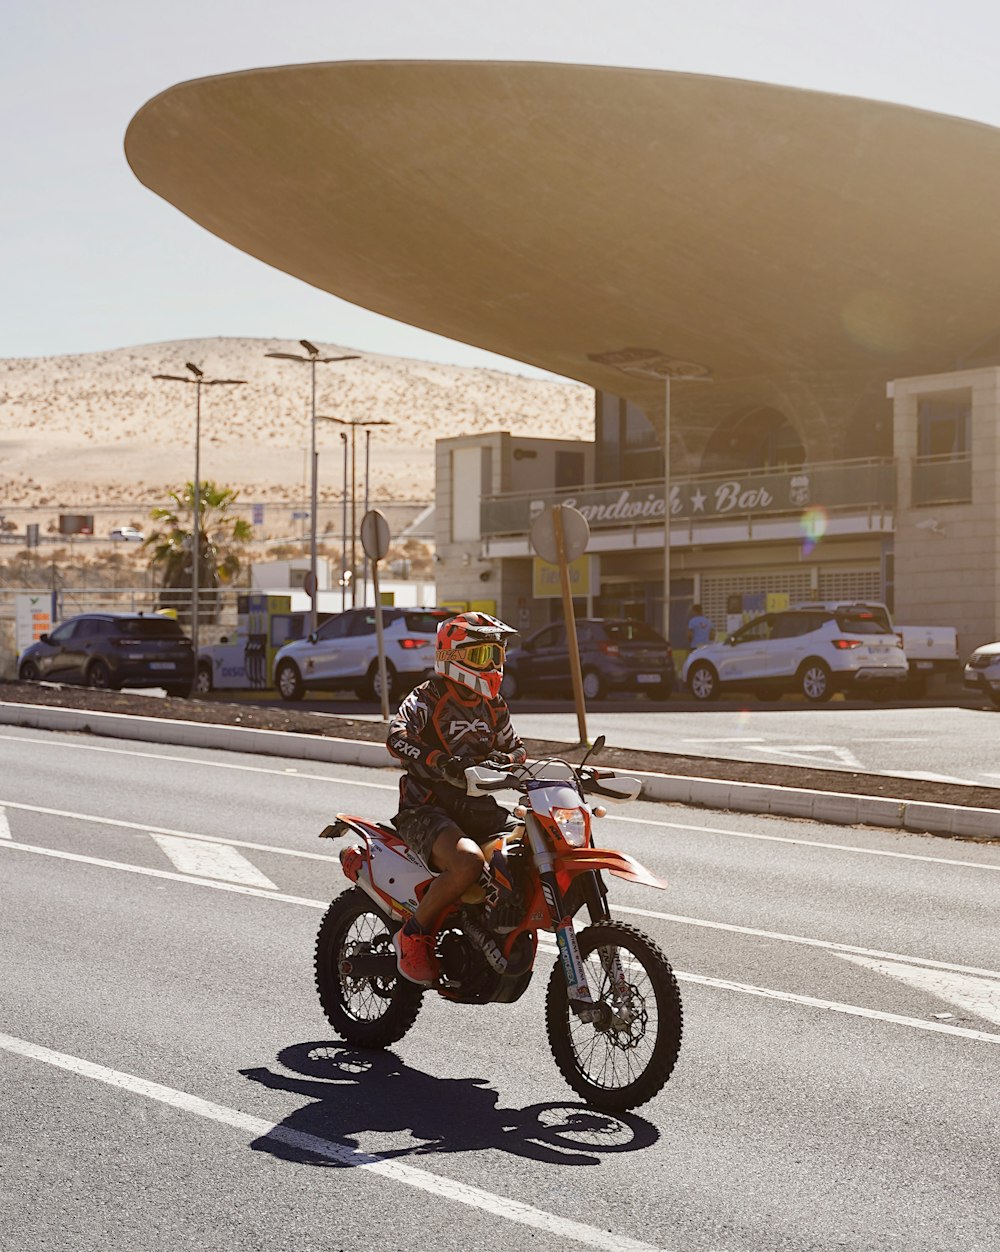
(4, 825)
(212, 860)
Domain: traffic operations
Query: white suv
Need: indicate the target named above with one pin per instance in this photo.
(815, 652)
(343, 653)
(982, 671)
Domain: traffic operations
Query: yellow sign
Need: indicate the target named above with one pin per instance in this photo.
(545, 584)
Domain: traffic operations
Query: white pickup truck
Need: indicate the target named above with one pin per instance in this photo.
(929, 649)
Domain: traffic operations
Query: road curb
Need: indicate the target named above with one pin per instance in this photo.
(832, 807)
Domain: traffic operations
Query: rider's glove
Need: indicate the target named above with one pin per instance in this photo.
(453, 771)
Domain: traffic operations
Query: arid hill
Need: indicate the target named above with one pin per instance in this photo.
(77, 431)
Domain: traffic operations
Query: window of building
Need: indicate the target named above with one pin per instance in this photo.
(943, 424)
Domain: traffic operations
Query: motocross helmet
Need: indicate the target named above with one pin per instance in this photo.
(470, 651)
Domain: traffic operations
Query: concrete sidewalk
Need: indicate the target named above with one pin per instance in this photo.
(834, 808)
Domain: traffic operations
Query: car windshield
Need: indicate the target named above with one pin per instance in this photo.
(861, 624)
(632, 632)
(148, 628)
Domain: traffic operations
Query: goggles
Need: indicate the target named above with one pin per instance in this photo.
(483, 656)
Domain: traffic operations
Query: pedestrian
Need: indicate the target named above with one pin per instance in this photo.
(699, 628)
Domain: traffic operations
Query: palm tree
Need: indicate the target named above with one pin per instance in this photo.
(223, 537)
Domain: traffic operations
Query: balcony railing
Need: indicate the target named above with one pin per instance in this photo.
(830, 486)
(942, 480)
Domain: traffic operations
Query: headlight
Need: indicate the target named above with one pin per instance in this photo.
(572, 825)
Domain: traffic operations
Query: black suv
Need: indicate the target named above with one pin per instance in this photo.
(113, 650)
(616, 654)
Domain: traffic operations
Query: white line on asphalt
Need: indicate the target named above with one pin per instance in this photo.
(212, 860)
(746, 988)
(162, 830)
(980, 996)
(193, 760)
(802, 843)
(4, 825)
(828, 944)
(393, 1170)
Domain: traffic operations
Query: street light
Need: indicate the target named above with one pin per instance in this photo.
(354, 423)
(199, 380)
(312, 360)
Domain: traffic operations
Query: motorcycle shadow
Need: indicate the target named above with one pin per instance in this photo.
(352, 1091)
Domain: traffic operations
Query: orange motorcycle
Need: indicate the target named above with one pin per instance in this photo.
(612, 1009)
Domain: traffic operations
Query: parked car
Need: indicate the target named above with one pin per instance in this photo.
(113, 650)
(127, 534)
(815, 652)
(982, 671)
(343, 653)
(616, 654)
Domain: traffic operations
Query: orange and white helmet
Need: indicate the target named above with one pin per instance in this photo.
(470, 651)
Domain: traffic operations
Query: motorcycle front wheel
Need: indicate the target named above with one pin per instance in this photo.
(367, 1011)
(626, 1063)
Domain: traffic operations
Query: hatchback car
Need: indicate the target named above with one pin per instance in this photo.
(127, 534)
(982, 671)
(813, 652)
(343, 654)
(616, 654)
(113, 650)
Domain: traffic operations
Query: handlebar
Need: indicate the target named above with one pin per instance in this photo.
(589, 779)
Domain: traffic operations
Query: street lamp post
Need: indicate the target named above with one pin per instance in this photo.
(199, 380)
(354, 423)
(343, 529)
(312, 360)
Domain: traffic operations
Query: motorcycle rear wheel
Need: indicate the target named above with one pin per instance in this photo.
(617, 1069)
(367, 1012)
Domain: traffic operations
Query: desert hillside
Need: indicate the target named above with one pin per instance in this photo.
(79, 431)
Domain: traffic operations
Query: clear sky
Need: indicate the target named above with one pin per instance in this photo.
(90, 260)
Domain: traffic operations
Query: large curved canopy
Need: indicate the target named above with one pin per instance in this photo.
(605, 224)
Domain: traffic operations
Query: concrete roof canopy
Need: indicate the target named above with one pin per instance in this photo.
(605, 224)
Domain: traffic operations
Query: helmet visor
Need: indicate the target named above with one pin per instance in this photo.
(482, 656)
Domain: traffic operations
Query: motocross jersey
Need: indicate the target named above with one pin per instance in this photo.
(440, 719)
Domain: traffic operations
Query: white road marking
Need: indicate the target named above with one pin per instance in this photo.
(746, 988)
(194, 760)
(802, 843)
(980, 996)
(4, 825)
(212, 860)
(392, 1170)
(828, 944)
(163, 830)
(818, 754)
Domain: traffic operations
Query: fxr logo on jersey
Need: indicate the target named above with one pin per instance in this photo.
(458, 728)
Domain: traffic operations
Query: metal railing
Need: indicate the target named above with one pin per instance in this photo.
(830, 486)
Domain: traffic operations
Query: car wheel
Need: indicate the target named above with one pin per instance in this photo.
(510, 688)
(28, 673)
(703, 682)
(289, 681)
(203, 680)
(99, 676)
(372, 689)
(767, 694)
(815, 682)
(179, 691)
(593, 685)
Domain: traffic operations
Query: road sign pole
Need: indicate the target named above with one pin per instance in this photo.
(381, 643)
(570, 619)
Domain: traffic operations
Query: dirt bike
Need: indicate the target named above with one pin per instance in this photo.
(612, 1010)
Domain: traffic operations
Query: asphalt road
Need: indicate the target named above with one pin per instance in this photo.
(161, 1043)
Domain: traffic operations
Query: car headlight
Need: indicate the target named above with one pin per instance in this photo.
(572, 825)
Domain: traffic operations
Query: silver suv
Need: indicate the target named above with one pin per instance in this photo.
(343, 653)
(814, 652)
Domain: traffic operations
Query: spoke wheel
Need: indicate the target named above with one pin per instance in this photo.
(203, 680)
(593, 685)
(99, 676)
(367, 1012)
(289, 681)
(373, 682)
(703, 683)
(28, 672)
(816, 686)
(625, 1064)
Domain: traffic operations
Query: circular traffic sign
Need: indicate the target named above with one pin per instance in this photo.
(375, 535)
(575, 528)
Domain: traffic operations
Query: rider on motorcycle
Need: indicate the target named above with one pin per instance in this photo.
(455, 719)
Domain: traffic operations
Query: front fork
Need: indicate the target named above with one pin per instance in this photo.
(581, 999)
